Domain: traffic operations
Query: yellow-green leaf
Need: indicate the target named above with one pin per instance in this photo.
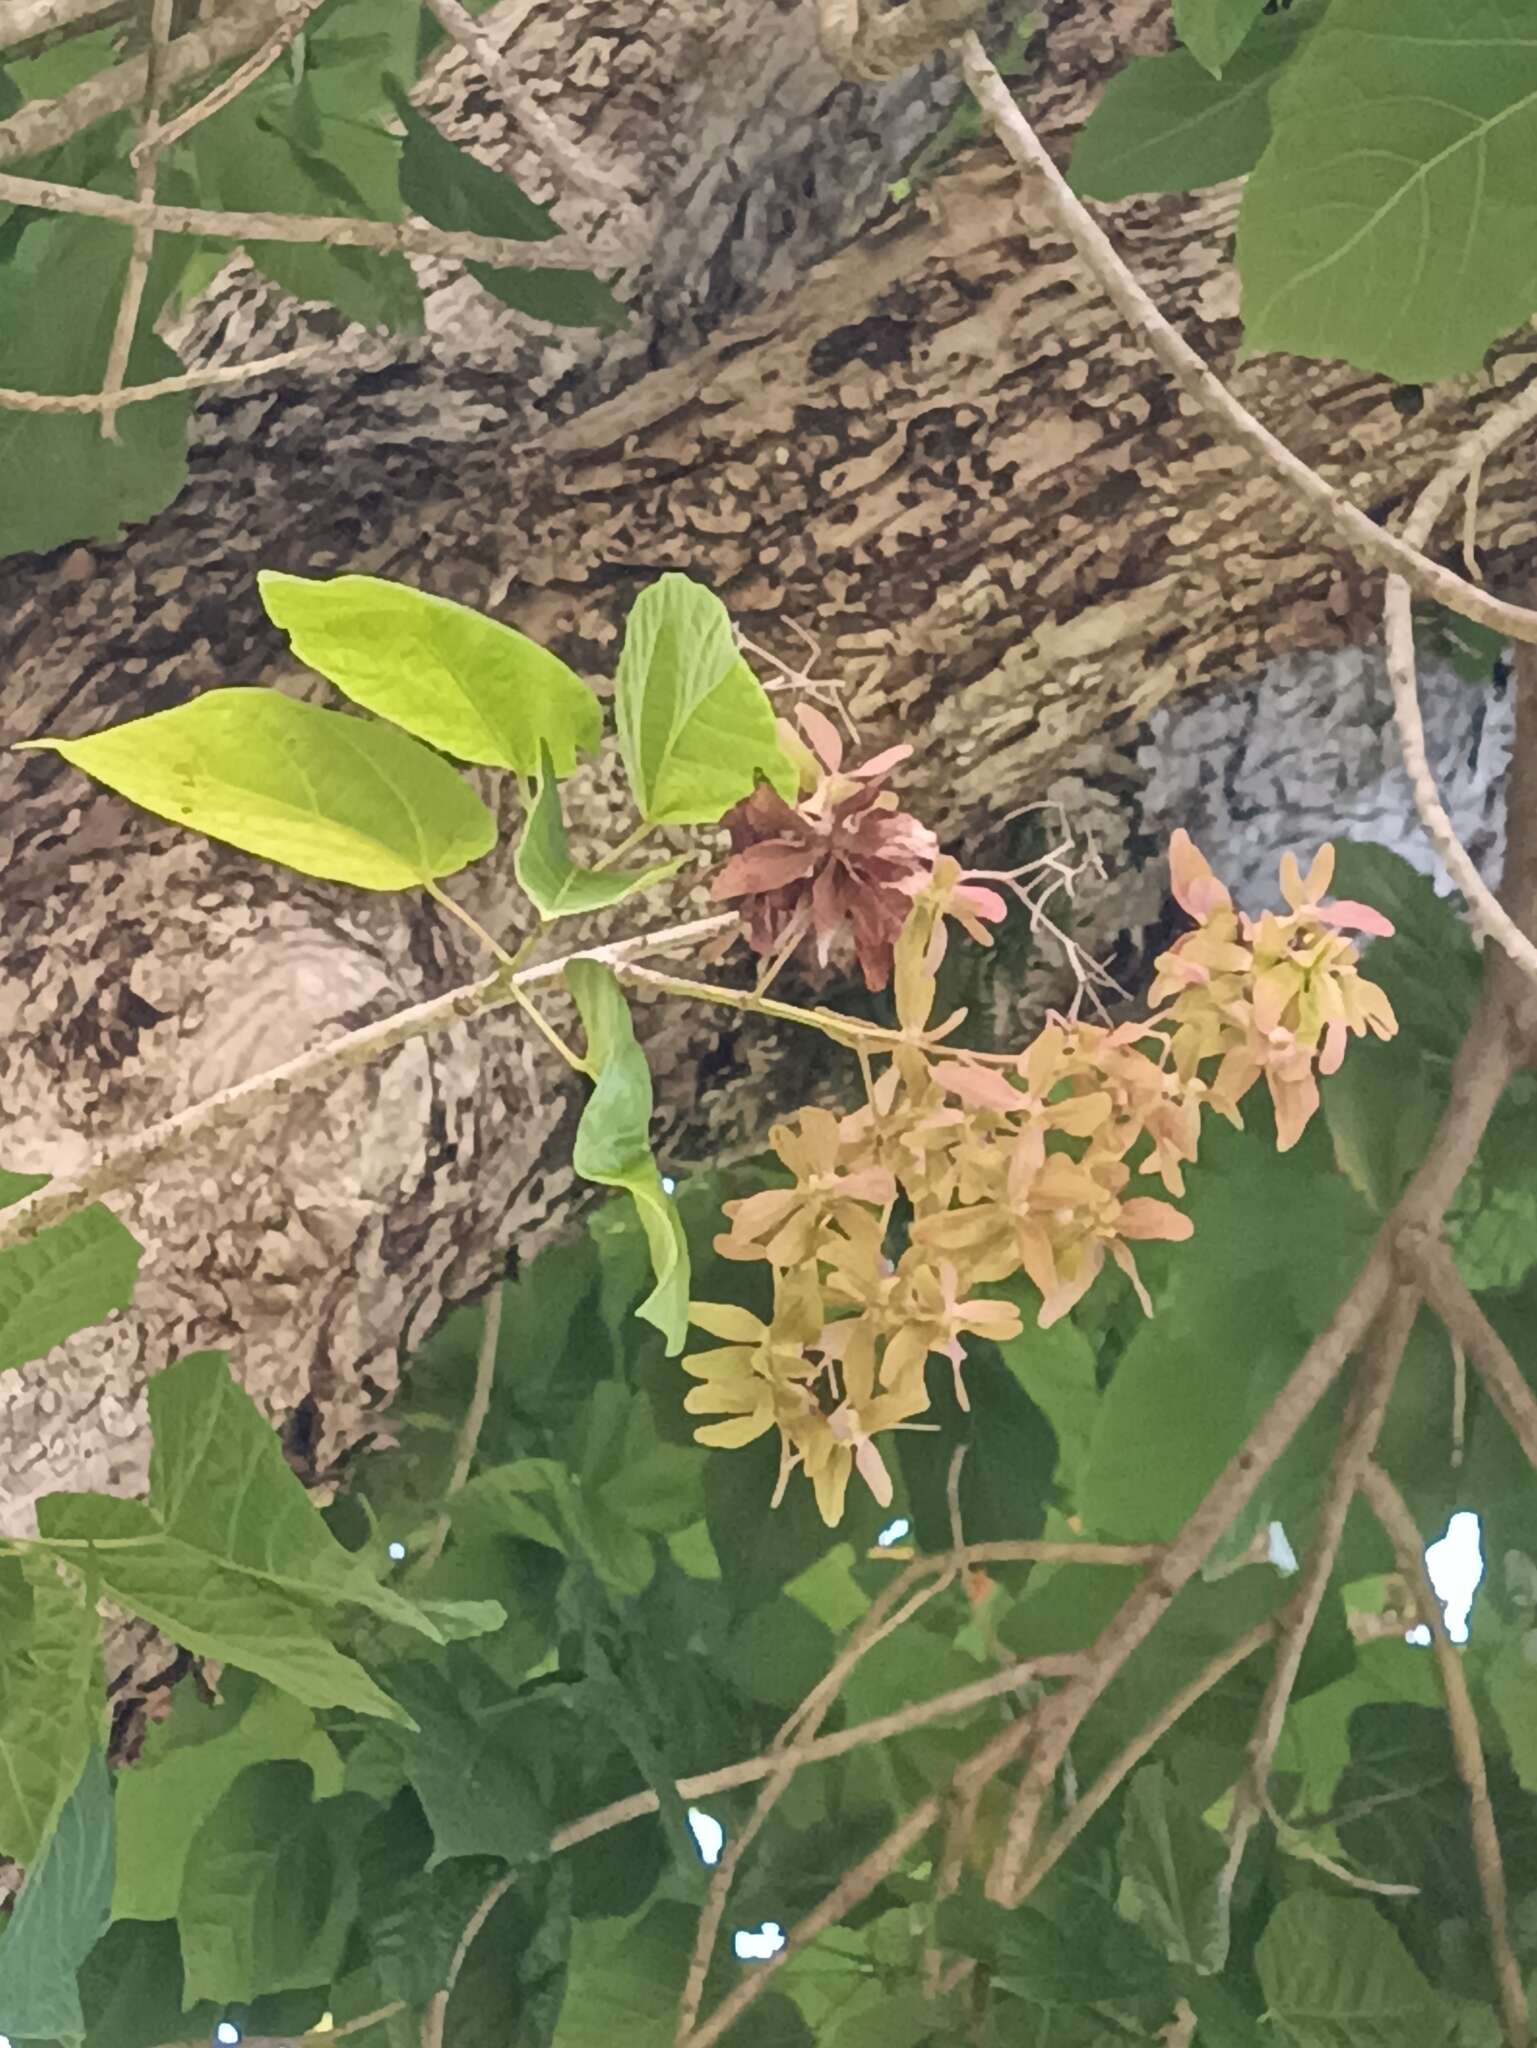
(468, 684)
(319, 791)
(696, 728)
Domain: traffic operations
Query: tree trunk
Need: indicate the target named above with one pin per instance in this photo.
(936, 450)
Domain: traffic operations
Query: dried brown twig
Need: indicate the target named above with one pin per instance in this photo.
(294, 14)
(1449, 1295)
(1392, 1511)
(1357, 1442)
(146, 162)
(343, 231)
(229, 32)
(215, 378)
(1487, 911)
(1368, 541)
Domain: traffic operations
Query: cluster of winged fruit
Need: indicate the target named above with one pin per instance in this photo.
(963, 1170)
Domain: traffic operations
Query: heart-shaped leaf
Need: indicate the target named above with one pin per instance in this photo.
(315, 790)
(468, 684)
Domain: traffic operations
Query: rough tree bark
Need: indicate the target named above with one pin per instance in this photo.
(911, 431)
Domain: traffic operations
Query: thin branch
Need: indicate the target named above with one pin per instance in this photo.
(319, 1066)
(229, 32)
(1392, 1512)
(437, 2007)
(890, 1610)
(295, 13)
(341, 231)
(564, 159)
(1449, 1295)
(901, 1721)
(166, 387)
(1487, 911)
(855, 1886)
(1357, 1442)
(1228, 1495)
(1366, 539)
(474, 1422)
(1296, 1843)
(146, 162)
(1120, 1769)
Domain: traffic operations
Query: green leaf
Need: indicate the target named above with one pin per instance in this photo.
(477, 1794)
(62, 289)
(62, 1912)
(50, 1698)
(1430, 968)
(613, 1141)
(549, 877)
(207, 1608)
(186, 1769)
(696, 728)
(1212, 30)
(230, 1557)
(1335, 1975)
(447, 186)
(68, 1278)
(565, 298)
(318, 791)
(453, 677)
(1512, 1688)
(268, 1888)
(219, 1482)
(1163, 124)
(1171, 1865)
(278, 149)
(1391, 221)
(1056, 1369)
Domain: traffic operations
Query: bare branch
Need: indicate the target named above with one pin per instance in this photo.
(409, 237)
(901, 1721)
(317, 1067)
(474, 1422)
(562, 158)
(1357, 1442)
(220, 375)
(1366, 539)
(1392, 1512)
(854, 1886)
(890, 1610)
(229, 32)
(146, 162)
(1228, 1494)
(1449, 1295)
(294, 15)
(437, 2008)
(1487, 911)
(1120, 1769)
